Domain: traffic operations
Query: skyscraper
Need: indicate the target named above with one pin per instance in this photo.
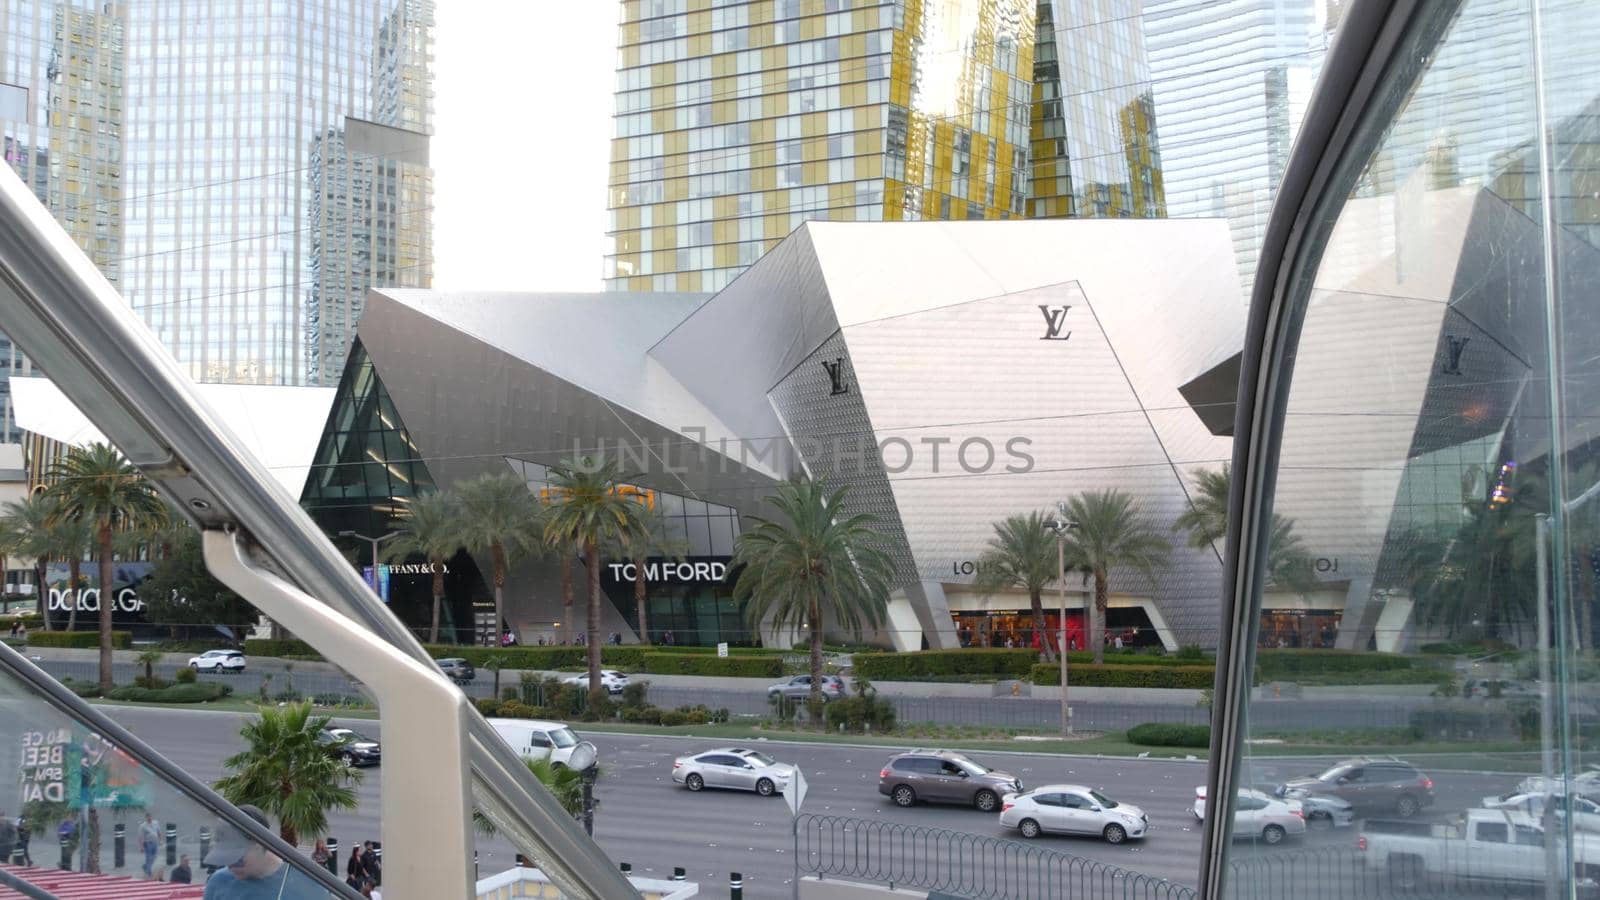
(737, 123)
(1094, 144)
(1222, 75)
(276, 168)
(62, 74)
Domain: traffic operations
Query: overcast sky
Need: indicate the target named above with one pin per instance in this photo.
(522, 117)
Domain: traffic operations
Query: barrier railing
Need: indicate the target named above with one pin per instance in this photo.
(965, 865)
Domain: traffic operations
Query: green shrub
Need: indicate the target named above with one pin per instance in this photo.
(186, 675)
(672, 718)
(1190, 653)
(635, 695)
(700, 664)
(867, 712)
(536, 657)
(644, 715)
(1170, 734)
(488, 707)
(178, 693)
(154, 683)
(121, 640)
(1191, 677)
(81, 688)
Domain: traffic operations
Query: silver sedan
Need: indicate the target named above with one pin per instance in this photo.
(732, 767)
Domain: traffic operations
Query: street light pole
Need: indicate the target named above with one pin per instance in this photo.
(1060, 525)
(374, 541)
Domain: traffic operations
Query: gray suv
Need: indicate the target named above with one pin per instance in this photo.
(944, 776)
(1381, 785)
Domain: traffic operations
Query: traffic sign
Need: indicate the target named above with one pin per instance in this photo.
(794, 793)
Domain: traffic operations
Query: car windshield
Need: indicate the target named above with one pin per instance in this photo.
(758, 757)
(975, 768)
(563, 737)
(1332, 774)
(1104, 801)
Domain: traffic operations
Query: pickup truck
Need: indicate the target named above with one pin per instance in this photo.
(1493, 846)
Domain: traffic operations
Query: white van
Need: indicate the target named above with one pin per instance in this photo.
(535, 738)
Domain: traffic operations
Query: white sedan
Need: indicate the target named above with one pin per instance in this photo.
(218, 661)
(1586, 813)
(1072, 809)
(1259, 815)
(612, 680)
(732, 767)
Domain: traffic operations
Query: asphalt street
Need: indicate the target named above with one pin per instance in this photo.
(649, 822)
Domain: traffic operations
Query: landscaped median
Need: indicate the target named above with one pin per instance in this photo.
(741, 662)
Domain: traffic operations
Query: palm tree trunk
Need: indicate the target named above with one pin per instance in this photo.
(814, 701)
(41, 590)
(566, 586)
(1035, 597)
(107, 605)
(438, 600)
(1097, 634)
(497, 552)
(591, 559)
(640, 596)
(74, 572)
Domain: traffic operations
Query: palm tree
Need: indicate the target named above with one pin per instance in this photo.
(815, 565)
(652, 539)
(563, 782)
(72, 540)
(148, 659)
(1206, 519)
(286, 772)
(96, 484)
(498, 517)
(1111, 534)
(587, 509)
(433, 530)
(1022, 554)
(30, 518)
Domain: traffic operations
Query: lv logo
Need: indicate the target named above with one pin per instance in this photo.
(1453, 348)
(836, 377)
(1054, 318)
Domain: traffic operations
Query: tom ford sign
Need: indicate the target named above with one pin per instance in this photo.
(663, 571)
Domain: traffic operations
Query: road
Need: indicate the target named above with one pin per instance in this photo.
(654, 825)
(999, 712)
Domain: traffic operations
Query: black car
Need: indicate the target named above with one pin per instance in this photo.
(459, 670)
(355, 748)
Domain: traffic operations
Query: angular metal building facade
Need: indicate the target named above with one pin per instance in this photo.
(952, 373)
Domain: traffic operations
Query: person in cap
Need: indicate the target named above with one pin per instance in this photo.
(250, 871)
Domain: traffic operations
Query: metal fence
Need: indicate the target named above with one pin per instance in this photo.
(1342, 873)
(963, 865)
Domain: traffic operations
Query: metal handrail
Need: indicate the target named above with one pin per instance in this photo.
(972, 866)
(59, 310)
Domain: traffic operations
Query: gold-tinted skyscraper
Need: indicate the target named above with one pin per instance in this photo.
(736, 123)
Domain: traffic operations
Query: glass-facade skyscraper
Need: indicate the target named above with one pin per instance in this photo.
(1095, 150)
(62, 121)
(736, 123)
(276, 167)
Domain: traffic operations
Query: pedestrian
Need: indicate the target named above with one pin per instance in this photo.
(320, 854)
(372, 860)
(181, 873)
(8, 837)
(354, 869)
(366, 888)
(24, 836)
(248, 871)
(1118, 642)
(149, 841)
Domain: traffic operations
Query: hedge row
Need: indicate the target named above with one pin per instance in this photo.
(279, 648)
(177, 693)
(121, 640)
(1170, 734)
(1006, 663)
(1276, 665)
(627, 657)
(1192, 677)
(700, 664)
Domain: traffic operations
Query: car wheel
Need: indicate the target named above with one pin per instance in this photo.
(764, 787)
(1407, 806)
(195, 666)
(694, 782)
(1319, 822)
(1114, 834)
(986, 801)
(903, 795)
(1273, 834)
(1029, 828)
